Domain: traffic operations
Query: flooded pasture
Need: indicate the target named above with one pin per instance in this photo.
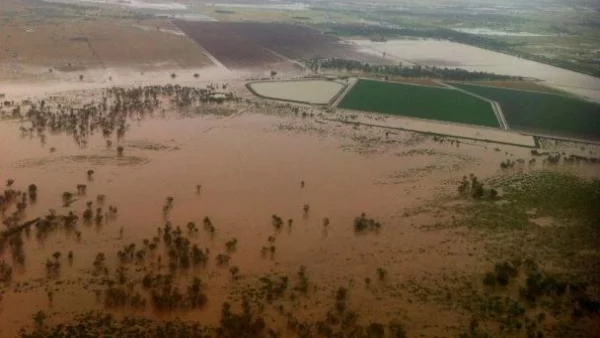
(268, 187)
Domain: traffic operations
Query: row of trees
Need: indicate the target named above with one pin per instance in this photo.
(445, 73)
(382, 32)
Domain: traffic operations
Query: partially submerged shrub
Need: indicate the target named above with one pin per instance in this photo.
(362, 223)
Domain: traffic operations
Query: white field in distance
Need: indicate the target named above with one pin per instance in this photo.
(455, 55)
(309, 91)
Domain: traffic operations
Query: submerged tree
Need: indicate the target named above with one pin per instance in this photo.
(362, 223)
(276, 221)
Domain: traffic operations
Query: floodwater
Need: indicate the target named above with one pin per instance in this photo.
(451, 54)
(493, 32)
(297, 6)
(161, 6)
(249, 167)
(95, 79)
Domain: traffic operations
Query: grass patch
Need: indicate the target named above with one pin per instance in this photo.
(545, 113)
(572, 200)
(506, 226)
(419, 101)
(559, 195)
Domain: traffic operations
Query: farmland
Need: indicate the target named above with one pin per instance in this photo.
(544, 113)
(305, 91)
(522, 85)
(164, 178)
(231, 49)
(419, 101)
(255, 44)
(90, 44)
(296, 41)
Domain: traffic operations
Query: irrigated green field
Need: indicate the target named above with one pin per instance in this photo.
(419, 101)
(544, 113)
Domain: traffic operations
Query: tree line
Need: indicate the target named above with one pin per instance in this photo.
(445, 73)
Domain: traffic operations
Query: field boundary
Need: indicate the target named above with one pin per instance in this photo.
(403, 123)
(558, 137)
(211, 57)
(292, 61)
(248, 86)
(340, 96)
(495, 105)
(542, 113)
(470, 109)
(441, 84)
(557, 91)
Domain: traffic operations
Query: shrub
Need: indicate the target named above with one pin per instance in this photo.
(362, 223)
(489, 279)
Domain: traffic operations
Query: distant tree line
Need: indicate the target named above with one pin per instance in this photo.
(382, 32)
(405, 71)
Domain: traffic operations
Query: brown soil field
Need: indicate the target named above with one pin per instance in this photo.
(76, 45)
(246, 168)
(230, 48)
(255, 44)
(296, 41)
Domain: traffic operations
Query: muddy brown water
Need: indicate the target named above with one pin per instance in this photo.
(250, 167)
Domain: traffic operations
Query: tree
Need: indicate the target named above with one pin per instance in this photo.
(306, 208)
(464, 186)
(120, 150)
(381, 273)
(277, 221)
(235, 271)
(39, 319)
(32, 189)
(375, 330)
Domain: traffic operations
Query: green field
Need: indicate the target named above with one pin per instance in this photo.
(419, 101)
(544, 113)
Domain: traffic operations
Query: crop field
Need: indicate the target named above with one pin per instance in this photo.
(419, 101)
(524, 85)
(295, 41)
(230, 48)
(544, 113)
(306, 91)
(149, 188)
(254, 44)
(99, 43)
